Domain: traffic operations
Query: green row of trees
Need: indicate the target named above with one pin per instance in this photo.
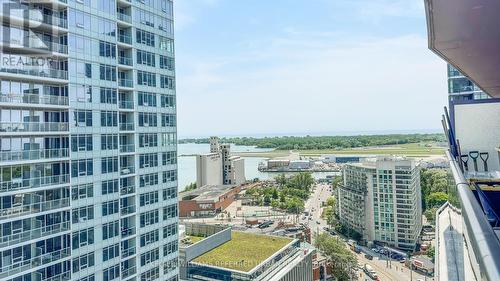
(326, 142)
(434, 184)
(290, 194)
(343, 261)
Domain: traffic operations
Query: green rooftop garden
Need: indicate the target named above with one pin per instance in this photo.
(195, 239)
(244, 251)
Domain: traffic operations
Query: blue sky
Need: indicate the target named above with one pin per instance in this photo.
(272, 67)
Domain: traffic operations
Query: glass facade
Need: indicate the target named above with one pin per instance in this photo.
(88, 141)
(460, 88)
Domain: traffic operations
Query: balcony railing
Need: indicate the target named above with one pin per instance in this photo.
(127, 170)
(51, 19)
(128, 252)
(56, 47)
(126, 104)
(35, 99)
(49, 73)
(127, 148)
(125, 61)
(127, 210)
(124, 17)
(126, 83)
(126, 126)
(34, 233)
(124, 38)
(34, 208)
(125, 190)
(34, 262)
(36, 154)
(33, 127)
(129, 271)
(128, 231)
(23, 183)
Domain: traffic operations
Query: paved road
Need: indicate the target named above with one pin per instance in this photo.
(320, 193)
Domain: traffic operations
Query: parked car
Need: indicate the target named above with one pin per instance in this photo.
(368, 256)
(375, 250)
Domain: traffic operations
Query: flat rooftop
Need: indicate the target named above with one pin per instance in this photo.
(207, 193)
(244, 251)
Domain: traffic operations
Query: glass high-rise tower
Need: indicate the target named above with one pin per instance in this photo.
(461, 88)
(88, 169)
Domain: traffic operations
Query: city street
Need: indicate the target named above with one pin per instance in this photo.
(394, 271)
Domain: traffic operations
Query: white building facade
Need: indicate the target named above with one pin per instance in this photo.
(381, 200)
(88, 168)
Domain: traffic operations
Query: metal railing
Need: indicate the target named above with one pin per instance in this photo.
(126, 126)
(23, 183)
(127, 210)
(128, 252)
(127, 148)
(34, 262)
(33, 208)
(125, 60)
(13, 239)
(49, 73)
(53, 20)
(127, 170)
(126, 104)
(34, 154)
(33, 127)
(34, 99)
(480, 235)
(126, 83)
(123, 38)
(125, 190)
(126, 272)
(124, 17)
(128, 231)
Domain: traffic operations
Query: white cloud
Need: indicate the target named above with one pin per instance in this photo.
(313, 84)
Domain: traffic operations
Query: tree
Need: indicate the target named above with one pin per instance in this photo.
(336, 181)
(275, 194)
(431, 252)
(436, 199)
(330, 201)
(302, 181)
(281, 180)
(432, 181)
(267, 200)
(430, 215)
(342, 260)
(191, 186)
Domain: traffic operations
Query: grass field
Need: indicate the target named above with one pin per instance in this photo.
(244, 251)
(195, 239)
(410, 150)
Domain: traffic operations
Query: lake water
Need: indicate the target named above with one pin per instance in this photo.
(187, 164)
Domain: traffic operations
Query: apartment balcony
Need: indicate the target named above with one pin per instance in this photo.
(34, 99)
(126, 83)
(126, 126)
(126, 104)
(127, 148)
(25, 183)
(125, 61)
(39, 260)
(127, 170)
(34, 233)
(65, 276)
(128, 252)
(33, 155)
(128, 271)
(124, 18)
(39, 73)
(127, 232)
(54, 21)
(33, 127)
(127, 210)
(126, 190)
(34, 208)
(125, 39)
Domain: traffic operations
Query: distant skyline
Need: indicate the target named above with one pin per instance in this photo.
(258, 67)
